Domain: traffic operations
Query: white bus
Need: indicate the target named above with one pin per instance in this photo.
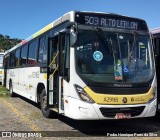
(1, 67)
(87, 66)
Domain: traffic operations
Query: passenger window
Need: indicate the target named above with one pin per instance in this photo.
(45, 49)
(41, 54)
(11, 62)
(23, 55)
(32, 53)
(17, 57)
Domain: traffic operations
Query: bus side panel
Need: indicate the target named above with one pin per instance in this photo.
(25, 81)
(33, 76)
(1, 76)
(13, 74)
(6, 81)
(22, 80)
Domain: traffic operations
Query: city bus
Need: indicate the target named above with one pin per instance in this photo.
(156, 40)
(1, 67)
(86, 66)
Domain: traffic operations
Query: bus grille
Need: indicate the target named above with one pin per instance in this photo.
(111, 112)
(120, 91)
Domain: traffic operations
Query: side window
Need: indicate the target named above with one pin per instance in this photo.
(23, 55)
(41, 53)
(11, 60)
(45, 49)
(17, 58)
(32, 53)
(7, 61)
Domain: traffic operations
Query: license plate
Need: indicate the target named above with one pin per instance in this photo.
(123, 116)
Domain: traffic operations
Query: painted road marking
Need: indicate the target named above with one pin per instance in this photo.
(19, 114)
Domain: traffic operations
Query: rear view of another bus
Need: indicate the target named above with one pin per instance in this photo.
(1, 67)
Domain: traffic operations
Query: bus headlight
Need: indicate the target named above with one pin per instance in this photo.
(154, 94)
(83, 95)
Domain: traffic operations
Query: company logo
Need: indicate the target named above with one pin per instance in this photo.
(132, 99)
(124, 100)
(122, 85)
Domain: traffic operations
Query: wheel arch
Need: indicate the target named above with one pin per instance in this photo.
(40, 87)
(10, 81)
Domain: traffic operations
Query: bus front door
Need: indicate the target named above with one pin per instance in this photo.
(55, 72)
(52, 73)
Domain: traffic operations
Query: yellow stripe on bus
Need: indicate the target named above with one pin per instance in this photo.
(45, 76)
(100, 98)
(46, 28)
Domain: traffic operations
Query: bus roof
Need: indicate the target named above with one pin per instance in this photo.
(45, 29)
(155, 30)
(66, 17)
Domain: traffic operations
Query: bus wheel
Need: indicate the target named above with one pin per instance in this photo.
(11, 90)
(43, 103)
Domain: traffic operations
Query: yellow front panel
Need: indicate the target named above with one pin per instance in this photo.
(119, 99)
(0, 72)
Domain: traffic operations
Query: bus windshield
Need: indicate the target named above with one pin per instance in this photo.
(110, 57)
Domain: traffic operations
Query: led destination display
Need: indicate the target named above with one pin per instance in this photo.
(110, 21)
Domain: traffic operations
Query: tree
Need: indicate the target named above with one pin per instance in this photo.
(6, 42)
(1, 36)
(6, 37)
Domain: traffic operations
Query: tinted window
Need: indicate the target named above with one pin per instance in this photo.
(45, 52)
(41, 49)
(32, 53)
(11, 62)
(17, 56)
(23, 55)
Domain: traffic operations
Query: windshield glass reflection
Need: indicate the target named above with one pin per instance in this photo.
(114, 57)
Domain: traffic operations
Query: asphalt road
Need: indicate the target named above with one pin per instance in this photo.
(18, 114)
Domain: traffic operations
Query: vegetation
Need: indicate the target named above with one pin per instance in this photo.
(3, 92)
(6, 42)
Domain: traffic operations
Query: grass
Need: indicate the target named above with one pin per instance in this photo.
(3, 92)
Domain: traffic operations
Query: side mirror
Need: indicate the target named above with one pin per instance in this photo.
(73, 37)
(72, 28)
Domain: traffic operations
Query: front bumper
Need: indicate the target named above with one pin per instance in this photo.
(77, 109)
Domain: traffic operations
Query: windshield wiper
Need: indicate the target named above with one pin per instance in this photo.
(103, 39)
(107, 42)
(131, 53)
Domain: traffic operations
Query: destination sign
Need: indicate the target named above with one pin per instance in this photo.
(110, 21)
(113, 23)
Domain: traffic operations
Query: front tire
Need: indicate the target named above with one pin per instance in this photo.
(43, 103)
